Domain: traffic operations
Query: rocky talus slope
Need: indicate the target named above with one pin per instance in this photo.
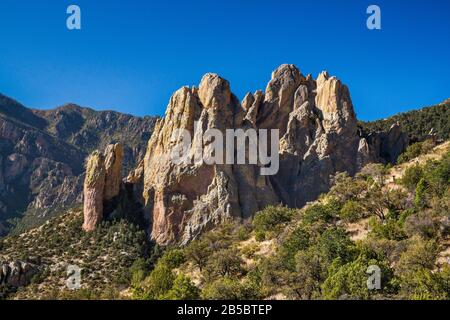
(42, 156)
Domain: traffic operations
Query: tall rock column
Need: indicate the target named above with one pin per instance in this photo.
(102, 184)
(113, 168)
(94, 184)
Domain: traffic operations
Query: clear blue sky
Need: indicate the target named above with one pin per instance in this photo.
(132, 55)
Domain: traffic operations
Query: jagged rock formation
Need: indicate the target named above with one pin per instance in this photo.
(102, 184)
(17, 273)
(42, 155)
(389, 145)
(318, 138)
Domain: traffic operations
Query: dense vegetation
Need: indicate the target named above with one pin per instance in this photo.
(417, 123)
(327, 250)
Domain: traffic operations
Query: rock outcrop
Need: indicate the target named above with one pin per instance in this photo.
(17, 273)
(42, 155)
(94, 186)
(386, 147)
(113, 171)
(318, 138)
(196, 173)
(102, 184)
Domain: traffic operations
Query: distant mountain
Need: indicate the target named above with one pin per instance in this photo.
(418, 123)
(42, 155)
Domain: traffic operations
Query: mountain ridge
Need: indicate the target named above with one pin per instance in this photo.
(42, 154)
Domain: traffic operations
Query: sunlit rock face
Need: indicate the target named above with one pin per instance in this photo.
(102, 184)
(318, 137)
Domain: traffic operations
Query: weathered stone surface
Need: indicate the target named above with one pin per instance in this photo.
(113, 170)
(394, 143)
(102, 185)
(186, 198)
(94, 185)
(136, 176)
(318, 138)
(385, 147)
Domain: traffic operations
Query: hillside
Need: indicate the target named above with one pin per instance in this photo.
(324, 250)
(321, 251)
(42, 156)
(105, 258)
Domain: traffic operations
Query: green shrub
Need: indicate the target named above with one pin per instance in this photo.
(198, 251)
(183, 289)
(158, 283)
(425, 284)
(347, 188)
(390, 229)
(243, 233)
(422, 224)
(173, 258)
(419, 254)
(415, 150)
(352, 211)
(319, 212)
(260, 236)
(310, 272)
(231, 289)
(298, 240)
(350, 281)
(272, 219)
(420, 199)
(250, 250)
(412, 176)
(225, 263)
(335, 243)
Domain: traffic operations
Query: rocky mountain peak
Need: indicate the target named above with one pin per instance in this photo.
(214, 91)
(318, 138)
